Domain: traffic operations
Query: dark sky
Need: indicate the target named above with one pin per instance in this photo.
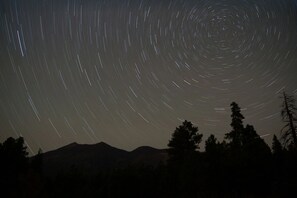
(128, 72)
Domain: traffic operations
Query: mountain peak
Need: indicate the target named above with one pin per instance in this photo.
(144, 148)
(103, 145)
(71, 145)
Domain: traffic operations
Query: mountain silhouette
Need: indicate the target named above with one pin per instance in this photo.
(148, 156)
(93, 158)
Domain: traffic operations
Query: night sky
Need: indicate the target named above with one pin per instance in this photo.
(129, 72)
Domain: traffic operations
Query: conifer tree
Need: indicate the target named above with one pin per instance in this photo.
(288, 113)
(185, 140)
(276, 146)
(237, 126)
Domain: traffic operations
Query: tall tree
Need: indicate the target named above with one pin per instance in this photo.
(182, 163)
(185, 140)
(288, 132)
(211, 144)
(13, 163)
(276, 146)
(14, 152)
(214, 148)
(237, 126)
(253, 144)
(249, 134)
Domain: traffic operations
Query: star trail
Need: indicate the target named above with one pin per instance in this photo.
(128, 72)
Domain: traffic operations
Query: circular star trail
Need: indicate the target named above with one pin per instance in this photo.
(128, 72)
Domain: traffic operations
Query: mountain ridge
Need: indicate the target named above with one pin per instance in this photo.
(94, 158)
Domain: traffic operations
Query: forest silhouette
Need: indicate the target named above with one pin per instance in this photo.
(241, 165)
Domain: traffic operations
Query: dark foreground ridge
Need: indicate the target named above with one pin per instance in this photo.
(241, 165)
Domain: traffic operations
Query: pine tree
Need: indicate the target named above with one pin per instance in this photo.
(288, 132)
(276, 146)
(237, 126)
(211, 144)
(249, 134)
(185, 140)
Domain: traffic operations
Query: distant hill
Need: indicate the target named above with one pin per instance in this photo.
(91, 159)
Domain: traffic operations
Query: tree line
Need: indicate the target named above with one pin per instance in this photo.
(241, 165)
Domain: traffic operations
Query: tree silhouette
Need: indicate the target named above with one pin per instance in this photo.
(235, 136)
(249, 134)
(278, 161)
(288, 112)
(182, 166)
(185, 140)
(211, 144)
(14, 163)
(253, 146)
(14, 154)
(276, 146)
(37, 162)
(253, 142)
